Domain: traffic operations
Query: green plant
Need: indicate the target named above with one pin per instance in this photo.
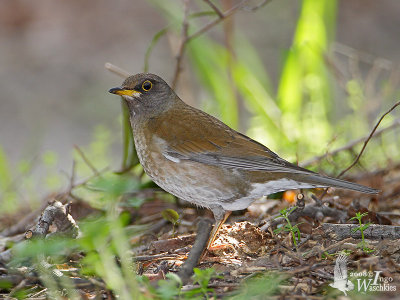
(171, 216)
(202, 277)
(288, 227)
(362, 227)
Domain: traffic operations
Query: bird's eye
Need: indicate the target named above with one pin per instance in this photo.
(147, 85)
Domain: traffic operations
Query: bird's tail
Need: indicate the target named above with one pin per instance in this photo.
(325, 181)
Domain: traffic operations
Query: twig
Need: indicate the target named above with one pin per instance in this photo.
(36, 295)
(318, 250)
(116, 70)
(86, 160)
(363, 56)
(187, 38)
(215, 8)
(350, 145)
(368, 139)
(336, 245)
(73, 173)
(172, 244)
(301, 269)
(86, 180)
(210, 25)
(155, 257)
(179, 57)
(55, 213)
(203, 233)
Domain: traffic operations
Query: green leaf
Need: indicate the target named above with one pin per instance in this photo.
(170, 215)
(365, 226)
(278, 230)
(203, 276)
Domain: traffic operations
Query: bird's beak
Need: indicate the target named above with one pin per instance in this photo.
(124, 92)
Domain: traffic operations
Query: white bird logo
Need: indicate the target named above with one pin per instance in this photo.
(340, 275)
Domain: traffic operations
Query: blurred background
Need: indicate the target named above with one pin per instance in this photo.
(302, 77)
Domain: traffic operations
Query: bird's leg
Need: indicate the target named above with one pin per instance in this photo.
(220, 217)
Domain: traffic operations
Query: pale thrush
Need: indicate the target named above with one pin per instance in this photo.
(197, 158)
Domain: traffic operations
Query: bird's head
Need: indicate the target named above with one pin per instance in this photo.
(146, 94)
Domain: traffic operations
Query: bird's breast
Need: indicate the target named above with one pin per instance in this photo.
(197, 183)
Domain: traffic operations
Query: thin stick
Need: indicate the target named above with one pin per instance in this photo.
(363, 56)
(86, 180)
(116, 70)
(350, 145)
(215, 8)
(86, 160)
(368, 139)
(216, 21)
(179, 57)
(73, 174)
(187, 38)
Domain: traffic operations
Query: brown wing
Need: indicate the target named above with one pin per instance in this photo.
(202, 138)
(199, 137)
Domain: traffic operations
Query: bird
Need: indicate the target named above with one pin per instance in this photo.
(199, 159)
(340, 280)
